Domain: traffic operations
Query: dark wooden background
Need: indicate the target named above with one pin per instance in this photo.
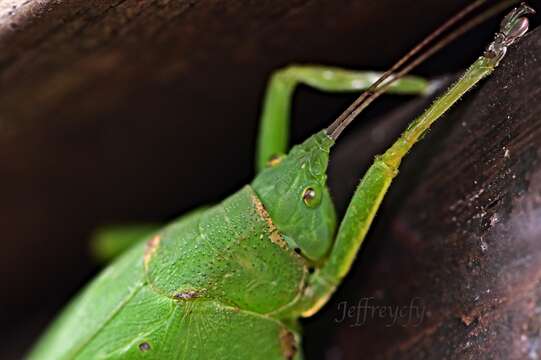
(138, 110)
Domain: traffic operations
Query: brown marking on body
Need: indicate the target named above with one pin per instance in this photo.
(276, 238)
(262, 212)
(274, 234)
(275, 160)
(288, 343)
(152, 246)
(144, 346)
(187, 295)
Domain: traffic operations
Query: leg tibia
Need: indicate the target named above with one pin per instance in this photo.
(334, 79)
(274, 130)
(369, 194)
(418, 128)
(351, 233)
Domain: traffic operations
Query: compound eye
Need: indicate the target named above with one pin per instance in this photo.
(311, 196)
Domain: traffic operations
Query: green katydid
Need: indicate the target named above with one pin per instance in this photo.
(231, 281)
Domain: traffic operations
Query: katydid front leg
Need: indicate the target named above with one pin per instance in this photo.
(375, 183)
(274, 123)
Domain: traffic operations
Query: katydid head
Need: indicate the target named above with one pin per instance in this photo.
(294, 193)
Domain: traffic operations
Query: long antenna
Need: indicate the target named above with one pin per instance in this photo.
(391, 75)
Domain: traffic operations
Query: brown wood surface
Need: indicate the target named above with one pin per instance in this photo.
(138, 110)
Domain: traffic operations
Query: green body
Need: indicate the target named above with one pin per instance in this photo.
(176, 293)
(231, 281)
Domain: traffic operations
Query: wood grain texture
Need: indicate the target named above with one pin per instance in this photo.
(139, 110)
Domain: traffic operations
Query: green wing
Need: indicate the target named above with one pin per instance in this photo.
(94, 308)
(152, 326)
(121, 315)
(138, 323)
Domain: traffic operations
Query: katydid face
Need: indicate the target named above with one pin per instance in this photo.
(295, 194)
